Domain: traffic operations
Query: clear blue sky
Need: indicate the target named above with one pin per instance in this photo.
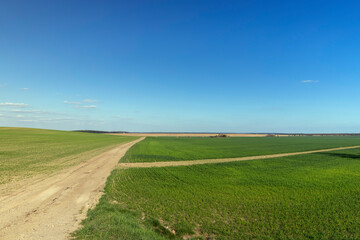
(219, 66)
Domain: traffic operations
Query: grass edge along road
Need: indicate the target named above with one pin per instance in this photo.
(139, 202)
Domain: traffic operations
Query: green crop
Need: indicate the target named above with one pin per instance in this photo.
(156, 149)
(314, 196)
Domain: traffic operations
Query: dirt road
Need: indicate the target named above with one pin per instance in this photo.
(221, 160)
(54, 207)
(189, 134)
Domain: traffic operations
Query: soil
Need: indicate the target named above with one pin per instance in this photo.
(54, 207)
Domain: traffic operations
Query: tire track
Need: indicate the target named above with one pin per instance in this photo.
(223, 160)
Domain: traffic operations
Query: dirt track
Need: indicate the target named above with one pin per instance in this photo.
(54, 207)
(221, 160)
(189, 134)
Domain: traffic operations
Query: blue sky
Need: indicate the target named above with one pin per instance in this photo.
(218, 66)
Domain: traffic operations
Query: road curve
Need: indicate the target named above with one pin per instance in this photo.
(54, 207)
(222, 160)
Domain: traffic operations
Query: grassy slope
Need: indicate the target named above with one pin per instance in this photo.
(28, 152)
(301, 197)
(155, 149)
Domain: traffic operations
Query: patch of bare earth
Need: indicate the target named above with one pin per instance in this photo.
(52, 208)
(222, 160)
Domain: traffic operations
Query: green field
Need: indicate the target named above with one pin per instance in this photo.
(156, 149)
(29, 152)
(314, 196)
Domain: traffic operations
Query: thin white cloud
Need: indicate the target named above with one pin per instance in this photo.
(9, 104)
(2, 85)
(25, 88)
(90, 100)
(28, 111)
(86, 106)
(70, 102)
(57, 119)
(310, 81)
(28, 120)
(37, 118)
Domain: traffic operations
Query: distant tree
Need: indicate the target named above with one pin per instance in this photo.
(270, 135)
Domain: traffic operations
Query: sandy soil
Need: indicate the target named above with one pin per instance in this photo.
(222, 160)
(187, 134)
(54, 207)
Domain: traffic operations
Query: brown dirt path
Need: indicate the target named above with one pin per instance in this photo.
(190, 134)
(222, 160)
(54, 207)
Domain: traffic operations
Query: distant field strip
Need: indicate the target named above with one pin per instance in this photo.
(223, 160)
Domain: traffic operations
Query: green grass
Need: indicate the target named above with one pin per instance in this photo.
(315, 196)
(109, 221)
(28, 152)
(156, 149)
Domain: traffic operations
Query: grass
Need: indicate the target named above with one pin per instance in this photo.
(314, 196)
(28, 152)
(156, 149)
(109, 221)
